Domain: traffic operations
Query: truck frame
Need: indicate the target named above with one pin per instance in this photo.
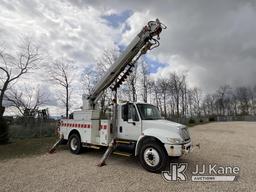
(138, 127)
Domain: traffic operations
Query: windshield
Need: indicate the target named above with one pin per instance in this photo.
(148, 112)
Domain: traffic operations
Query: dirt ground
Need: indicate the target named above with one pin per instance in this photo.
(227, 143)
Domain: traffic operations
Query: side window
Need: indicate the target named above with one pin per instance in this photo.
(132, 113)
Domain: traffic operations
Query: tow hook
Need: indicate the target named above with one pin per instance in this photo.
(196, 146)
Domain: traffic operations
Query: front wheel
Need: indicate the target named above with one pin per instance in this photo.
(74, 144)
(153, 157)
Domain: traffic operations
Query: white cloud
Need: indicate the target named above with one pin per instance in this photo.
(62, 31)
(135, 22)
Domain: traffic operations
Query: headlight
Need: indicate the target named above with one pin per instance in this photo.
(174, 140)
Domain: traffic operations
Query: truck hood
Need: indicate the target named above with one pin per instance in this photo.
(162, 125)
(163, 129)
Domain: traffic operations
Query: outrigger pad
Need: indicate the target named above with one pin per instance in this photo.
(53, 149)
(110, 149)
(101, 164)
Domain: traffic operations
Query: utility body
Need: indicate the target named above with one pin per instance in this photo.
(137, 126)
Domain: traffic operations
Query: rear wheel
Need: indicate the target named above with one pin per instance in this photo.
(153, 157)
(74, 144)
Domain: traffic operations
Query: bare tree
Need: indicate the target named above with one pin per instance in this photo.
(155, 90)
(208, 105)
(243, 96)
(163, 86)
(197, 97)
(254, 100)
(89, 79)
(28, 101)
(12, 68)
(62, 73)
(131, 81)
(145, 81)
(92, 74)
(176, 83)
(103, 64)
(223, 98)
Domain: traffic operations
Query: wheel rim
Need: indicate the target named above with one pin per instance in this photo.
(151, 157)
(74, 144)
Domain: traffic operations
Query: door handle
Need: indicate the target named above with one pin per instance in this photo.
(131, 122)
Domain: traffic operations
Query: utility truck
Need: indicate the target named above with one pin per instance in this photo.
(138, 126)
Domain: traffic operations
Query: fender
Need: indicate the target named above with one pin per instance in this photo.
(155, 134)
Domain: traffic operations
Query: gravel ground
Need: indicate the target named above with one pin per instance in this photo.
(227, 143)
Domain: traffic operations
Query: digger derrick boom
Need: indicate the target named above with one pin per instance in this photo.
(122, 67)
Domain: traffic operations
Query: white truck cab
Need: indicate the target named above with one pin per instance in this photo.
(155, 137)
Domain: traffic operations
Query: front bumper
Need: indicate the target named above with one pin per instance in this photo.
(178, 150)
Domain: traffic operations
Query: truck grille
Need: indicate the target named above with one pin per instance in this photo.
(184, 134)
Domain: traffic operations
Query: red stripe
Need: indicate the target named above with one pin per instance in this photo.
(103, 127)
(78, 125)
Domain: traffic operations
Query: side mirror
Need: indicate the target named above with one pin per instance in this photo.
(125, 112)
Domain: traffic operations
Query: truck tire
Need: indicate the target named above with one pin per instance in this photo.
(74, 144)
(153, 157)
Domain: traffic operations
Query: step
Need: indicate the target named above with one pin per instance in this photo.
(122, 153)
(91, 146)
(94, 147)
(124, 142)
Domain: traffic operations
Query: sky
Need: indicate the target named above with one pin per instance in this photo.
(213, 42)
